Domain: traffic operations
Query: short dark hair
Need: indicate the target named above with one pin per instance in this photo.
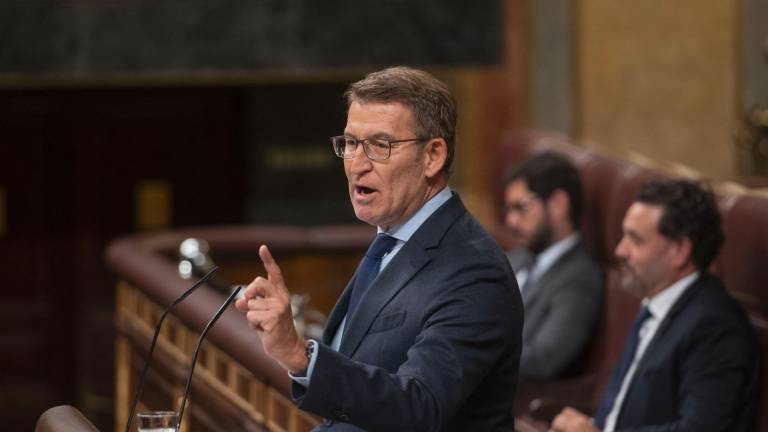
(689, 210)
(547, 172)
(429, 99)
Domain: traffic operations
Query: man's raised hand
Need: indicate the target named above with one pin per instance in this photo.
(267, 304)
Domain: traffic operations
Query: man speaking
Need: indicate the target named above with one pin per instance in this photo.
(427, 334)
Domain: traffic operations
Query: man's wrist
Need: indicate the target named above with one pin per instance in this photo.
(301, 356)
(303, 377)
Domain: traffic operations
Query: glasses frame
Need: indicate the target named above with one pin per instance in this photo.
(522, 206)
(366, 146)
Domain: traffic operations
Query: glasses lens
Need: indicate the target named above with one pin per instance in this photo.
(520, 207)
(377, 148)
(340, 146)
(349, 147)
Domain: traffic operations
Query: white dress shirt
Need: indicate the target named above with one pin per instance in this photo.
(659, 306)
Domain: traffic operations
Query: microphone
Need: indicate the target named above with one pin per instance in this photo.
(208, 326)
(142, 378)
(195, 260)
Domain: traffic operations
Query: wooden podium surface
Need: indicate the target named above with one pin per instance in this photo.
(236, 385)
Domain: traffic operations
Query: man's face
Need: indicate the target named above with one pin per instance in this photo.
(385, 192)
(645, 255)
(527, 216)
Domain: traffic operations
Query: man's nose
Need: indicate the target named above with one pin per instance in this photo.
(621, 250)
(512, 219)
(359, 161)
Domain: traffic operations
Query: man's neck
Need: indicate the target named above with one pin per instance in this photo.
(404, 230)
(684, 272)
(561, 231)
(434, 187)
(553, 252)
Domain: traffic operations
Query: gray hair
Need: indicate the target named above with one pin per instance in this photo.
(429, 99)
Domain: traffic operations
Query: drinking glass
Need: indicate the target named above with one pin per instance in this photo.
(157, 421)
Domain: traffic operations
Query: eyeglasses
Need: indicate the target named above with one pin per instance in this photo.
(375, 148)
(522, 206)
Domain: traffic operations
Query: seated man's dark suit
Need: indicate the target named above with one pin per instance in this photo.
(561, 309)
(699, 372)
(435, 342)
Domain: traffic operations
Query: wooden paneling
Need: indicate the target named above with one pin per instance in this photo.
(660, 78)
(225, 395)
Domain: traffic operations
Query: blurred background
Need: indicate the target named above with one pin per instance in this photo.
(120, 116)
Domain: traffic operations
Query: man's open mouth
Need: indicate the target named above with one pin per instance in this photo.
(364, 190)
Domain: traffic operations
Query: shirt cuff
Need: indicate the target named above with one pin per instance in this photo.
(303, 378)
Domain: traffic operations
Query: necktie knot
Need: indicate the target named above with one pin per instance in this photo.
(642, 316)
(369, 269)
(381, 246)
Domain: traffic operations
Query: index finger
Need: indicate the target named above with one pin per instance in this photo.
(571, 411)
(273, 270)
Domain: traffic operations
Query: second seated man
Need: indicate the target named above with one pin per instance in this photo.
(561, 283)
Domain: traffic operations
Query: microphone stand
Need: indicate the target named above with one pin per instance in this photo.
(197, 350)
(142, 378)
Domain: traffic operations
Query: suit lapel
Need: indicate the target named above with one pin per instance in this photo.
(384, 288)
(409, 260)
(531, 291)
(338, 311)
(669, 320)
(534, 291)
(673, 313)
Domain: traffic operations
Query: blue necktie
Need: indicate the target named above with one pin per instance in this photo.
(369, 269)
(614, 385)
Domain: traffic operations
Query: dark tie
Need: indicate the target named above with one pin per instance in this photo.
(614, 385)
(369, 269)
(529, 267)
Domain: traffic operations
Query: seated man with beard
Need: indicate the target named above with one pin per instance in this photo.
(561, 284)
(690, 362)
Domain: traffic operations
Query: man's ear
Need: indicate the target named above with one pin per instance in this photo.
(681, 253)
(560, 204)
(435, 155)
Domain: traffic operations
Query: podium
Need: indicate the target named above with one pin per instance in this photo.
(236, 386)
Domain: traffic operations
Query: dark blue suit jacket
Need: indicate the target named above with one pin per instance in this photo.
(435, 342)
(700, 371)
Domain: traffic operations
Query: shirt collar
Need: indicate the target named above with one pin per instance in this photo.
(661, 303)
(551, 254)
(405, 230)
